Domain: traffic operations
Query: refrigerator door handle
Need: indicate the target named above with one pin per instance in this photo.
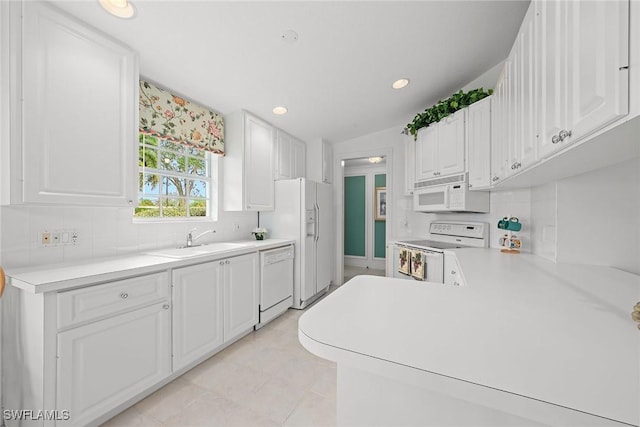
(317, 228)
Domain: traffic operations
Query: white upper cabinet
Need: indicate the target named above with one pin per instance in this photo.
(248, 164)
(440, 148)
(584, 75)
(327, 162)
(451, 143)
(598, 52)
(427, 152)
(479, 144)
(77, 133)
(291, 157)
(409, 164)
(566, 77)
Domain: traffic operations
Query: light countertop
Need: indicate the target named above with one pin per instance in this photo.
(56, 277)
(558, 333)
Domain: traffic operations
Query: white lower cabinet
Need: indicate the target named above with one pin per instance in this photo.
(104, 363)
(213, 303)
(90, 351)
(197, 311)
(240, 295)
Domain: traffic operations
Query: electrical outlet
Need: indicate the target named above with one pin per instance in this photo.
(45, 238)
(236, 226)
(55, 238)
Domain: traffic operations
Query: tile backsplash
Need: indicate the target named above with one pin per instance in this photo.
(102, 231)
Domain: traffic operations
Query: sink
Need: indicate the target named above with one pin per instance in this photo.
(194, 251)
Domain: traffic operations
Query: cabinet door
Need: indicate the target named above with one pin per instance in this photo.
(598, 45)
(79, 112)
(479, 144)
(327, 163)
(240, 295)
(258, 164)
(197, 311)
(284, 158)
(527, 134)
(499, 123)
(427, 152)
(451, 140)
(409, 164)
(300, 160)
(102, 364)
(553, 58)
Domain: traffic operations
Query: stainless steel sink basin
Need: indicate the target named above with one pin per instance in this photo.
(194, 251)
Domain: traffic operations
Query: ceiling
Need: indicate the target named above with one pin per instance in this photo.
(336, 78)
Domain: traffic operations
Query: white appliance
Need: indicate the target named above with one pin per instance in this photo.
(442, 235)
(303, 212)
(276, 283)
(449, 194)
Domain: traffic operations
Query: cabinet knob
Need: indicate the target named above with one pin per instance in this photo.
(166, 306)
(221, 262)
(470, 185)
(555, 139)
(130, 202)
(227, 262)
(495, 178)
(453, 272)
(564, 134)
(124, 295)
(456, 284)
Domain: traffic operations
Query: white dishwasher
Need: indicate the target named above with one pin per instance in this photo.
(276, 283)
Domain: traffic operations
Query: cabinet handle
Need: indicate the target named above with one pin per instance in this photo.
(166, 306)
(221, 262)
(124, 295)
(470, 185)
(495, 178)
(227, 262)
(453, 272)
(564, 134)
(555, 139)
(456, 284)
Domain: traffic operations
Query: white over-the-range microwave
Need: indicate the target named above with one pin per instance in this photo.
(449, 194)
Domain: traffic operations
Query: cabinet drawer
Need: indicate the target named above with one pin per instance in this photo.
(85, 304)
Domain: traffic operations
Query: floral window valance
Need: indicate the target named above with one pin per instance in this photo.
(174, 118)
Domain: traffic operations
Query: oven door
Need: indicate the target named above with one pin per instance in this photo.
(432, 199)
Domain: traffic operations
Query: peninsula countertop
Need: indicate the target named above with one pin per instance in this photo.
(557, 333)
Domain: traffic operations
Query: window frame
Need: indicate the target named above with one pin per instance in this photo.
(211, 180)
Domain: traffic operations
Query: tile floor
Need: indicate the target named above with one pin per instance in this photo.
(265, 379)
(350, 272)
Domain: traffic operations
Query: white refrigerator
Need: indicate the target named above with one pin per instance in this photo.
(304, 213)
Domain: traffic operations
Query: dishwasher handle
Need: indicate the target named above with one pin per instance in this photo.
(277, 255)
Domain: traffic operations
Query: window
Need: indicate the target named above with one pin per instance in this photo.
(174, 180)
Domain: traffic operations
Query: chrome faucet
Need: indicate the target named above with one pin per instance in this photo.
(191, 239)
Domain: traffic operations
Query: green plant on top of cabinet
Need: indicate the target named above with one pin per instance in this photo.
(248, 163)
(76, 122)
(445, 108)
(440, 147)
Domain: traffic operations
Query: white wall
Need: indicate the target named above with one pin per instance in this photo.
(598, 216)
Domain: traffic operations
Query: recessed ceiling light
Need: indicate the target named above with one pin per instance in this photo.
(280, 110)
(119, 8)
(400, 83)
